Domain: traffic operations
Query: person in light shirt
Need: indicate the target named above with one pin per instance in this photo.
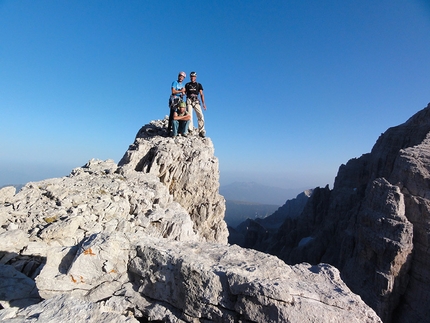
(176, 96)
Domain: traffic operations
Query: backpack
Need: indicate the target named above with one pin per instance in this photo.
(174, 102)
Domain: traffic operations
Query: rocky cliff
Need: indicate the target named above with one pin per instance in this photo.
(145, 241)
(373, 225)
(257, 233)
(188, 168)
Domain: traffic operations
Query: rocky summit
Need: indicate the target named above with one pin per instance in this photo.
(145, 241)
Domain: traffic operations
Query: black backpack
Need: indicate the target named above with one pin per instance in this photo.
(174, 101)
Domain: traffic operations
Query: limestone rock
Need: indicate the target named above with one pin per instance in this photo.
(373, 225)
(13, 240)
(95, 199)
(291, 209)
(16, 289)
(228, 283)
(188, 167)
(255, 233)
(109, 244)
(64, 308)
(6, 193)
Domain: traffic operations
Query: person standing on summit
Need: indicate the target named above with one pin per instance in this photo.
(178, 92)
(192, 90)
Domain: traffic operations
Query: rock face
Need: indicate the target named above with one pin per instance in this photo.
(188, 168)
(132, 244)
(291, 209)
(373, 225)
(257, 233)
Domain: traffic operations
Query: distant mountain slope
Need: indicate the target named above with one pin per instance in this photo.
(252, 232)
(257, 193)
(292, 209)
(373, 225)
(238, 211)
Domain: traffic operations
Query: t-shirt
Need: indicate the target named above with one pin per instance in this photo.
(177, 86)
(192, 89)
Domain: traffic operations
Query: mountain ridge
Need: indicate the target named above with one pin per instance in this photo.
(238, 211)
(372, 225)
(145, 241)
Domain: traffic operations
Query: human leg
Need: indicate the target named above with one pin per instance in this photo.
(175, 128)
(185, 124)
(200, 118)
(190, 112)
(181, 128)
(169, 128)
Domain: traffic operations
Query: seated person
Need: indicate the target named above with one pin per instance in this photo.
(181, 120)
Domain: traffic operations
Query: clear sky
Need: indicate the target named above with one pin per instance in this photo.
(293, 89)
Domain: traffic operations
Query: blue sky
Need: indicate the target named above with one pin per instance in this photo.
(293, 89)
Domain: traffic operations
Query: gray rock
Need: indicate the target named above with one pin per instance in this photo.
(233, 284)
(188, 167)
(16, 289)
(6, 193)
(64, 308)
(373, 225)
(254, 233)
(120, 245)
(13, 240)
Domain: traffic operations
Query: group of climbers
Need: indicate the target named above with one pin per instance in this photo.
(181, 112)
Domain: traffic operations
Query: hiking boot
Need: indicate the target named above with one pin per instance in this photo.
(184, 135)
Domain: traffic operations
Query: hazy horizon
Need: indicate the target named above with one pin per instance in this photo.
(293, 89)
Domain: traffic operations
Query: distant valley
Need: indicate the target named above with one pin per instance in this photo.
(250, 200)
(258, 193)
(238, 211)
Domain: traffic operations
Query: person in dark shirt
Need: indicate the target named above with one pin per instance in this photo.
(193, 89)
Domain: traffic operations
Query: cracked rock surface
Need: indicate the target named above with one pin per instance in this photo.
(145, 241)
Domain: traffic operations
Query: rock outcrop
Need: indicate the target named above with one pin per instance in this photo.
(188, 168)
(291, 209)
(257, 233)
(373, 225)
(131, 243)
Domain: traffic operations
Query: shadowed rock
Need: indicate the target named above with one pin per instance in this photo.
(146, 242)
(373, 225)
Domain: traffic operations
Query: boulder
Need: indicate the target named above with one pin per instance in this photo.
(6, 193)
